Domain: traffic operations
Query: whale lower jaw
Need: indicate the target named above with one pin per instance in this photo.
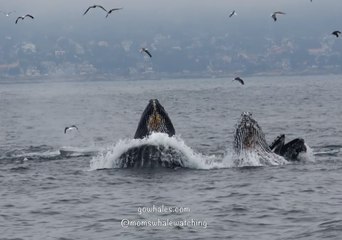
(151, 156)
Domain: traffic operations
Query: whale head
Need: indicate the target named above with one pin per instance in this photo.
(249, 135)
(292, 149)
(154, 119)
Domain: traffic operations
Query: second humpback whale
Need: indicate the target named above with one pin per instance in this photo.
(153, 119)
(250, 142)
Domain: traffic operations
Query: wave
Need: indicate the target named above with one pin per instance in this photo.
(44, 153)
(28, 153)
(327, 150)
(78, 152)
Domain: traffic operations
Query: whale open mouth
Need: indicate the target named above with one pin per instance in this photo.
(290, 150)
(155, 123)
(154, 119)
(248, 134)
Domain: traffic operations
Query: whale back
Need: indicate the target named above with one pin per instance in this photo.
(154, 119)
(249, 135)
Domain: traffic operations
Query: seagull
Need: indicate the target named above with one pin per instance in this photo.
(232, 13)
(94, 6)
(274, 15)
(23, 17)
(72, 127)
(146, 51)
(112, 10)
(7, 13)
(336, 33)
(239, 80)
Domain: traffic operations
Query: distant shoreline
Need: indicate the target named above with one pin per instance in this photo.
(155, 77)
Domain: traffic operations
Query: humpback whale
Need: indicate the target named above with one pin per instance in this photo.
(154, 119)
(291, 150)
(249, 140)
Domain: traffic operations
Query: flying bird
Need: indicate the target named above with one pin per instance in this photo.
(146, 51)
(232, 13)
(94, 6)
(239, 80)
(72, 127)
(7, 13)
(336, 33)
(112, 10)
(23, 17)
(274, 15)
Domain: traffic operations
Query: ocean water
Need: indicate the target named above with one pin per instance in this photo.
(80, 194)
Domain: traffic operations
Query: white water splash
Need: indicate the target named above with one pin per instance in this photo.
(307, 156)
(110, 157)
(254, 158)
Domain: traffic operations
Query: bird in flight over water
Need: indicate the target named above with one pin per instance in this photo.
(23, 17)
(239, 80)
(336, 33)
(112, 10)
(72, 127)
(94, 6)
(274, 15)
(7, 13)
(232, 13)
(146, 51)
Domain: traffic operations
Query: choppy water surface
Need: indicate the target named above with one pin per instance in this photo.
(48, 195)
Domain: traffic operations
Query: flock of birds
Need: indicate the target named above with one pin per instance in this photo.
(101, 7)
(274, 17)
(143, 49)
